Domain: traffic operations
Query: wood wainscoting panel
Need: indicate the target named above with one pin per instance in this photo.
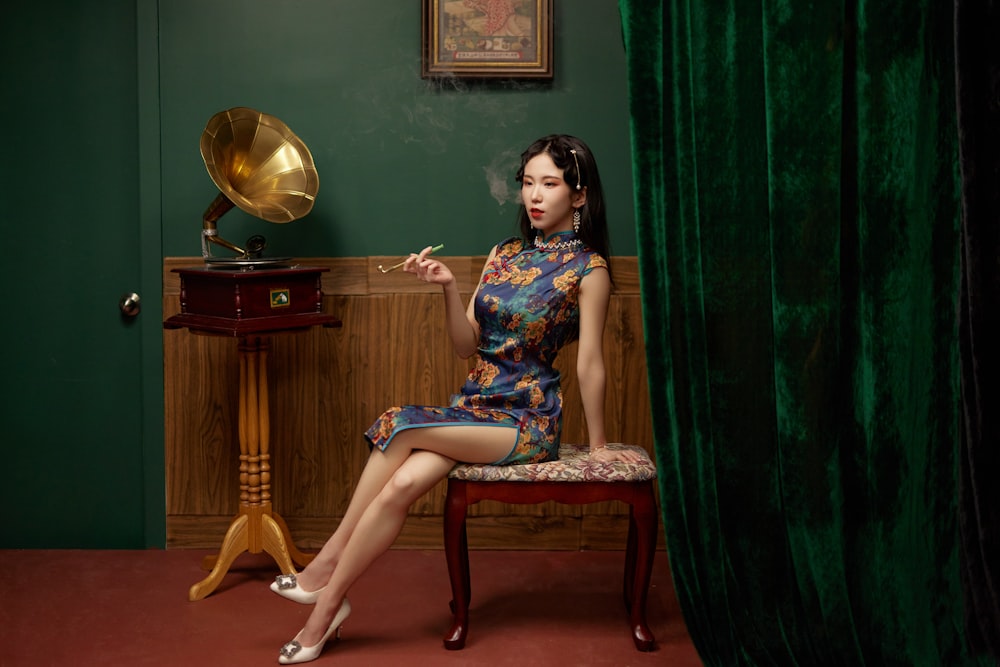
(328, 385)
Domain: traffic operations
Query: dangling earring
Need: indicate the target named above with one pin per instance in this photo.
(576, 221)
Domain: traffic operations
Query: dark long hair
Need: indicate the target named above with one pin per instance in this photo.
(593, 220)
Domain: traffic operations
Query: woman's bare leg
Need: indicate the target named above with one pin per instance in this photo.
(377, 471)
(481, 444)
(431, 453)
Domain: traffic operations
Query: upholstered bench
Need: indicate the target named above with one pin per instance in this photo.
(573, 479)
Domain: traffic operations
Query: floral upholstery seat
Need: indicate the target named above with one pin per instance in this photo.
(572, 479)
(574, 465)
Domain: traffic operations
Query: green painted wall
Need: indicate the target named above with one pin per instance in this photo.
(403, 162)
(100, 177)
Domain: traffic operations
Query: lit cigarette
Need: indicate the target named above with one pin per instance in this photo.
(396, 266)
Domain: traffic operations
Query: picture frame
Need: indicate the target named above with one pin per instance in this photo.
(509, 39)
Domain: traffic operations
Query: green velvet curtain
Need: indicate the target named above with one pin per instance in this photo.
(797, 197)
(977, 88)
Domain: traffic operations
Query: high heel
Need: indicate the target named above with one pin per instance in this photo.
(294, 652)
(287, 586)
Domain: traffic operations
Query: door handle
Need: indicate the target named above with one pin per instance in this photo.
(129, 304)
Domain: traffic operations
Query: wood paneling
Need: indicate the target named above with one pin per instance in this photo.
(327, 386)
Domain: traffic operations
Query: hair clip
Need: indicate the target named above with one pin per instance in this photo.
(577, 162)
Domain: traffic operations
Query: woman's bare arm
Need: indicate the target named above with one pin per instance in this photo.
(595, 295)
(460, 320)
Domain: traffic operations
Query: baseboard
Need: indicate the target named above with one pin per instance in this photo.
(553, 533)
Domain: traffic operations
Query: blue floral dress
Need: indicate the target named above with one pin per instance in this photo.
(528, 308)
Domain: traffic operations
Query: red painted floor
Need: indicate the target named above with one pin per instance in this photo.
(81, 608)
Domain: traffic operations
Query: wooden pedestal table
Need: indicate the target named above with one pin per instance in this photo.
(232, 294)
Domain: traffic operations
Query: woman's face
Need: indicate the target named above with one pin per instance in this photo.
(547, 198)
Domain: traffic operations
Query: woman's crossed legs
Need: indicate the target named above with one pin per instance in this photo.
(392, 480)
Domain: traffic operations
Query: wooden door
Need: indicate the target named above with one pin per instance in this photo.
(73, 397)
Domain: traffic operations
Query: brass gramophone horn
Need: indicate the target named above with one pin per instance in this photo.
(258, 164)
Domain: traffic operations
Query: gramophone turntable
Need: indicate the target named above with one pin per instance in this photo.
(262, 167)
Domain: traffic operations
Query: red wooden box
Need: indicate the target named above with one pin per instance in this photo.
(237, 302)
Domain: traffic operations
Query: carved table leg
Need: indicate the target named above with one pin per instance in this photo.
(233, 545)
(256, 529)
(299, 558)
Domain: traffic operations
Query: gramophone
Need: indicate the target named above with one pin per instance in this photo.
(262, 167)
(259, 165)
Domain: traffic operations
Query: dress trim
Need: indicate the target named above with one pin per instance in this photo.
(399, 429)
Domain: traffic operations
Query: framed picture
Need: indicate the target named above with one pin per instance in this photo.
(487, 38)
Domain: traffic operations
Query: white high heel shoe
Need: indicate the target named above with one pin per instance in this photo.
(287, 586)
(294, 652)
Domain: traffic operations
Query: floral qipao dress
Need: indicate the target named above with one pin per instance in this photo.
(528, 308)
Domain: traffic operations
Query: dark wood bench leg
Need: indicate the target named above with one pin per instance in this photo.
(456, 548)
(640, 549)
(628, 581)
(639, 564)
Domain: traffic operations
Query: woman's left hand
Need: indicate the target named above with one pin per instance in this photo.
(607, 455)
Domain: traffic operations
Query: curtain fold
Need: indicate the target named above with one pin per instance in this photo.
(797, 203)
(977, 55)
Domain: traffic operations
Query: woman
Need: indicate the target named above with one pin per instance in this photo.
(536, 294)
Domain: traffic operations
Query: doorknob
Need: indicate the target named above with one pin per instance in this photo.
(129, 304)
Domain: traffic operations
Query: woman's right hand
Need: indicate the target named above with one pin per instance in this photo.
(428, 270)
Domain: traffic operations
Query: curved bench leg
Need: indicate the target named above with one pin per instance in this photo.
(456, 550)
(642, 521)
(628, 581)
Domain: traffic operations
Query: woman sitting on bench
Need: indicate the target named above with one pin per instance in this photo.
(538, 292)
